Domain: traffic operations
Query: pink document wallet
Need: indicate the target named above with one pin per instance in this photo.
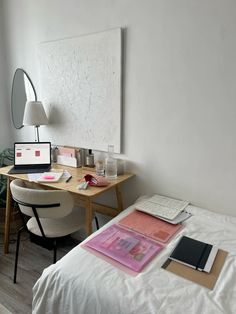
(129, 248)
(150, 226)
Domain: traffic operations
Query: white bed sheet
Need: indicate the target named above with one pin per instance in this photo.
(82, 283)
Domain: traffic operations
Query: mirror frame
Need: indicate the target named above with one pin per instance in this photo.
(12, 89)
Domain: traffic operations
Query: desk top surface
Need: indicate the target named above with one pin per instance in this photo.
(72, 185)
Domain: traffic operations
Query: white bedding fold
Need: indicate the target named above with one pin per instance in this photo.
(83, 283)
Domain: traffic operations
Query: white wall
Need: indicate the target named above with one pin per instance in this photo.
(179, 86)
(6, 137)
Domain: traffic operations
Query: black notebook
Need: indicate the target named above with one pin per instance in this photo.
(194, 253)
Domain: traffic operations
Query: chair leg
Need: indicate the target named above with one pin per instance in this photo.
(54, 251)
(17, 253)
(96, 221)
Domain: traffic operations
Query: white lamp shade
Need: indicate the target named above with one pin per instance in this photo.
(34, 114)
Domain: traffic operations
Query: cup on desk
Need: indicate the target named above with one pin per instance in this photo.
(100, 168)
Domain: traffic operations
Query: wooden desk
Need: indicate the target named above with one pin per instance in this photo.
(82, 197)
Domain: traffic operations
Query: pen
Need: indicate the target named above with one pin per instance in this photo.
(68, 179)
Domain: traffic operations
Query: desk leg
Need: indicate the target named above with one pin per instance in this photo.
(89, 216)
(119, 198)
(7, 217)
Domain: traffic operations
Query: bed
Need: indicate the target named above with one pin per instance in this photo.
(81, 282)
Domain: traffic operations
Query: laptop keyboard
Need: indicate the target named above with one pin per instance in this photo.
(32, 170)
(29, 170)
(162, 206)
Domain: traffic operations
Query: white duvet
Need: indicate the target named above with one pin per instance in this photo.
(83, 283)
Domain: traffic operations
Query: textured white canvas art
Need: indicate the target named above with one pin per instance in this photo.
(80, 82)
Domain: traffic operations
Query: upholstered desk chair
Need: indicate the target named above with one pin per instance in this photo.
(51, 211)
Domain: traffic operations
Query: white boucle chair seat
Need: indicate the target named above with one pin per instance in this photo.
(58, 227)
(51, 211)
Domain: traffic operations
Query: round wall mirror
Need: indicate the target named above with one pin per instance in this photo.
(22, 91)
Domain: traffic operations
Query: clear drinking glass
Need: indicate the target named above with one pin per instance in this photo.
(100, 168)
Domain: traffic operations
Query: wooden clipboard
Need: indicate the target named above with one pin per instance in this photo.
(207, 280)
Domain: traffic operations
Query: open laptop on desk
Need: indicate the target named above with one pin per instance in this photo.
(31, 157)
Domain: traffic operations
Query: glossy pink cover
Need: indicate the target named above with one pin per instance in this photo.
(127, 247)
(150, 226)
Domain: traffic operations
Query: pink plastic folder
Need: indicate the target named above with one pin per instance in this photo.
(127, 247)
(150, 226)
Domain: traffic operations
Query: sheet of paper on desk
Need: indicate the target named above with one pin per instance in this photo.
(32, 177)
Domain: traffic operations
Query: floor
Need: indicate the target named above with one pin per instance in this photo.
(17, 298)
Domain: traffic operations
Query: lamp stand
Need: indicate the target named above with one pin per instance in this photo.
(36, 133)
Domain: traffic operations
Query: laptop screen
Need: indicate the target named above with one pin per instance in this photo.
(32, 153)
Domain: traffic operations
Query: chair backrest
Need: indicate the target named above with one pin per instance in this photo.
(31, 194)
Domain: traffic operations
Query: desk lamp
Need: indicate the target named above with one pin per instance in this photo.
(35, 115)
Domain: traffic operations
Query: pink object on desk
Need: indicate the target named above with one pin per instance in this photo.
(48, 177)
(95, 180)
(66, 151)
